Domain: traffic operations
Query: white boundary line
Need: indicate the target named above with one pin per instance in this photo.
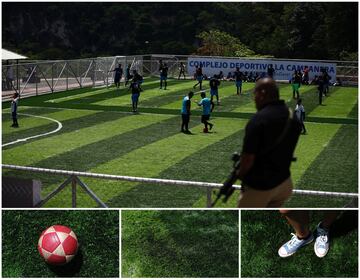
(39, 135)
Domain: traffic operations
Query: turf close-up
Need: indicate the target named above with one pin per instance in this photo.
(180, 244)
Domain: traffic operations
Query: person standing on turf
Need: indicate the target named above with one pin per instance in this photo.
(270, 71)
(300, 114)
(270, 139)
(208, 107)
(137, 78)
(163, 75)
(320, 82)
(299, 220)
(238, 80)
(128, 74)
(295, 83)
(14, 107)
(118, 74)
(135, 93)
(199, 76)
(182, 70)
(185, 113)
(214, 91)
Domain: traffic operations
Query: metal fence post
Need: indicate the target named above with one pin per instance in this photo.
(73, 191)
(52, 77)
(208, 197)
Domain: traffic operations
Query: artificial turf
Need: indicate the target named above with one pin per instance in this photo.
(97, 233)
(100, 135)
(264, 232)
(180, 244)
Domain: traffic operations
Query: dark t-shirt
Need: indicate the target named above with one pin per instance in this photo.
(238, 76)
(135, 89)
(164, 71)
(272, 159)
(118, 71)
(271, 71)
(214, 83)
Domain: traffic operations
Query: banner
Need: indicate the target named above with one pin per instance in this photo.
(284, 69)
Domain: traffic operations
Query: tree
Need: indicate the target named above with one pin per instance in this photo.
(218, 43)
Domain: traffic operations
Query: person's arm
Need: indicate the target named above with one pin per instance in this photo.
(188, 104)
(246, 162)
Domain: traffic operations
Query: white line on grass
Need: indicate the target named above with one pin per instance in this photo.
(39, 135)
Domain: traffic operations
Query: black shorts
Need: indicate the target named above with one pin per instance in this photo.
(205, 118)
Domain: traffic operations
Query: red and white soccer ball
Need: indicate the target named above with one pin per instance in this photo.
(58, 245)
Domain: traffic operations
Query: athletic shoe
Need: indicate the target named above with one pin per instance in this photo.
(294, 244)
(211, 126)
(321, 246)
(205, 130)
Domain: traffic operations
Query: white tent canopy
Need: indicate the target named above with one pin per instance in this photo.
(8, 55)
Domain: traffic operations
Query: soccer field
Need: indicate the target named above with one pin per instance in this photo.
(100, 134)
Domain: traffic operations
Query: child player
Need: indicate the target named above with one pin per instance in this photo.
(214, 84)
(208, 106)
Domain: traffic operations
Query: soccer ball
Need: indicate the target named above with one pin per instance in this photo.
(58, 245)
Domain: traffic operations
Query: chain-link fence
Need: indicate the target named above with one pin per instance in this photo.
(39, 77)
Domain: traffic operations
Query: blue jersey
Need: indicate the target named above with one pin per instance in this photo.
(205, 102)
(184, 105)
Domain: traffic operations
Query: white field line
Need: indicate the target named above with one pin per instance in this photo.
(39, 135)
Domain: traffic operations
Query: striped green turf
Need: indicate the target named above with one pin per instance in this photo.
(151, 145)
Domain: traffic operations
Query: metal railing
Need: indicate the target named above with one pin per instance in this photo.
(74, 179)
(38, 77)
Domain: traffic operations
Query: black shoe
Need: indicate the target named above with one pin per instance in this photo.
(187, 132)
(211, 126)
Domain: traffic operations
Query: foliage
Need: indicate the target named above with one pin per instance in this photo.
(218, 43)
(320, 30)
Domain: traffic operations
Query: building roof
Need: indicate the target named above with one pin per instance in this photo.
(8, 55)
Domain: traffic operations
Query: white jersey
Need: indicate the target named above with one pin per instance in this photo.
(299, 110)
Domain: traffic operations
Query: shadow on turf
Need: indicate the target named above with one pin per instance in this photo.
(347, 222)
(70, 269)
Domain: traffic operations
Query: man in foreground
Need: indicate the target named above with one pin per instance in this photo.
(269, 143)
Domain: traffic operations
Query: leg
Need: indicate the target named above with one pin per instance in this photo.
(329, 218)
(303, 127)
(165, 84)
(182, 122)
(299, 220)
(161, 82)
(322, 243)
(251, 198)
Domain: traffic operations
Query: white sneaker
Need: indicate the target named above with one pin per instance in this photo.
(294, 244)
(321, 246)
